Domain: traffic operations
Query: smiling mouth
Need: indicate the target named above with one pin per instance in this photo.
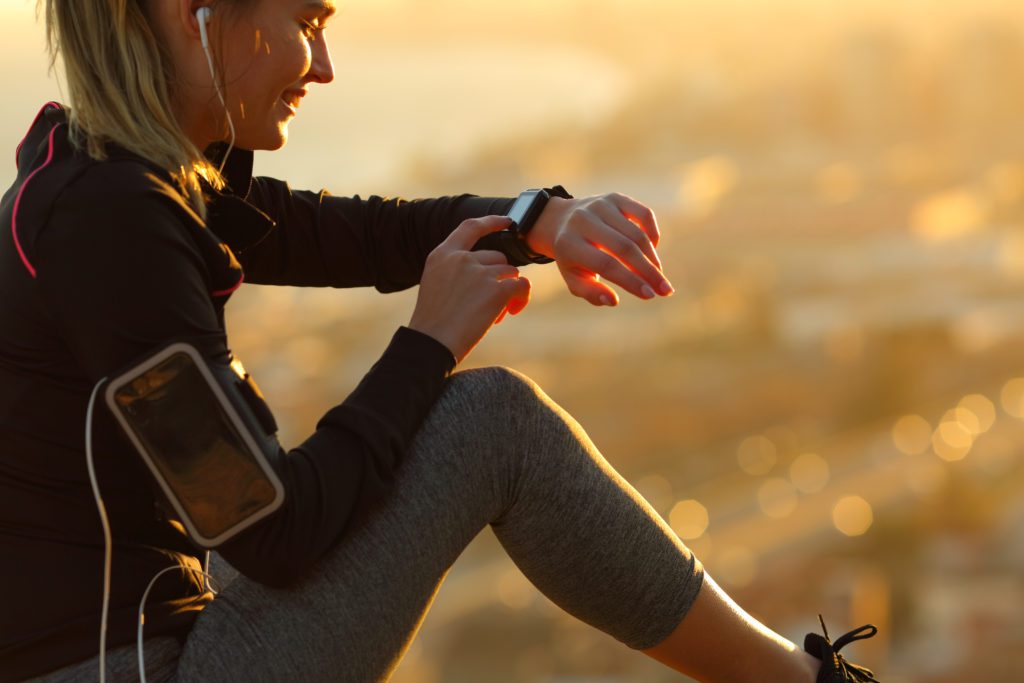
(292, 99)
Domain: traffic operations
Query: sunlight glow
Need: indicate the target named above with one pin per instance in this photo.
(705, 183)
(948, 215)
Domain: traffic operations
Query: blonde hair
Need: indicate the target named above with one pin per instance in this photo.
(119, 84)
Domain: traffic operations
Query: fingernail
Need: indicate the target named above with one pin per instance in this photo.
(665, 287)
(606, 300)
(647, 292)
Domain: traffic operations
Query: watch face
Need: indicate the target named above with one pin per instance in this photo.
(521, 208)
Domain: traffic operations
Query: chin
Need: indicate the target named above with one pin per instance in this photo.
(268, 141)
(277, 143)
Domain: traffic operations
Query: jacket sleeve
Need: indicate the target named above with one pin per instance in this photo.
(120, 275)
(327, 241)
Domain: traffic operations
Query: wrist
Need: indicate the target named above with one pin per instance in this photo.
(541, 238)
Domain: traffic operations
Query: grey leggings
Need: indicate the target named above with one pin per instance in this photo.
(495, 449)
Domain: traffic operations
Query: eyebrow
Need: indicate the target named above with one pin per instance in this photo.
(326, 6)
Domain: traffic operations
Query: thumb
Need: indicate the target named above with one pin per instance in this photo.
(522, 296)
(472, 229)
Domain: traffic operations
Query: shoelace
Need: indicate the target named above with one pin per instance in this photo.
(850, 672)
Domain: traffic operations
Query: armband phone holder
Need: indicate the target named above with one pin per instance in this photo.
(203, 438)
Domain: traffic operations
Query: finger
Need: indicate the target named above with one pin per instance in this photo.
(490, 257)
(516, 297)
(588, 286)
(517, 307)
(501, 272)
(613, 216)
(469, 231)
(609, 254)
(522, 299)
(639, 214)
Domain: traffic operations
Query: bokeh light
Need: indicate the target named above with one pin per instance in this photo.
(948, 215)
(952, 440)
(980, 408)
(912, 434)
(689, 519)
(809, 472)
(852, 515)
(1012, 397)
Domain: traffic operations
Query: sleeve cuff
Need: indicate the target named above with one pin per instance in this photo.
(403, 385)
(414, 339)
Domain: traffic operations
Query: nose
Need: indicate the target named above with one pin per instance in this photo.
(321, 69)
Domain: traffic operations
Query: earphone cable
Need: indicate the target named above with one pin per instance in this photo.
(217, 85)
(142, 612)
(105, 522)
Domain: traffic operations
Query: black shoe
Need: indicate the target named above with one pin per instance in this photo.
(834, 667)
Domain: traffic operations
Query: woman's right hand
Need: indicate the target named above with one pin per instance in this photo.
(463, 293)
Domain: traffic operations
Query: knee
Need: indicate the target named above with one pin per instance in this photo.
(505, 399)
(494, 386)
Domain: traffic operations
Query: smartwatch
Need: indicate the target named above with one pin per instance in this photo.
(524, 214)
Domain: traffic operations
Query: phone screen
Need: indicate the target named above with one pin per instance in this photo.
(195, 446)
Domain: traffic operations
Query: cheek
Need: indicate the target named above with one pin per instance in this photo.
(273, 62)
(284, 60)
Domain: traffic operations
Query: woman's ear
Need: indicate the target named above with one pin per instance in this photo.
(189, 17)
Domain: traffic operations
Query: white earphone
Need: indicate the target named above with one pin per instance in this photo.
(203, 18)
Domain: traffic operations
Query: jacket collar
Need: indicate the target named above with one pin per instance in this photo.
(229, 214)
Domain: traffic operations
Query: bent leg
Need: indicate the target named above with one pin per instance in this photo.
(495, 450)
(718, 642)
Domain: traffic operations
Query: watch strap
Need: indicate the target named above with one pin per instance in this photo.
(515, 244)
(558, 191)
(512, 244)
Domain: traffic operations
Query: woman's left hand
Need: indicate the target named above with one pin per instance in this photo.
(608, 236)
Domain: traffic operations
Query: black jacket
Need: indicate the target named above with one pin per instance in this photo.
(101, 262)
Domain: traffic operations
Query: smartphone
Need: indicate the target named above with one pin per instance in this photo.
(205, 447)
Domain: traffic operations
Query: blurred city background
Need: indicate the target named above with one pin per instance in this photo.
(828, 411)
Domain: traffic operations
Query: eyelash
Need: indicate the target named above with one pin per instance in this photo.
(310, 30)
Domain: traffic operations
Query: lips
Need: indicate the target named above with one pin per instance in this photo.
(292, 98)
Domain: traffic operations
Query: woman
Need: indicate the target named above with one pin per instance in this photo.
(132, 222)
